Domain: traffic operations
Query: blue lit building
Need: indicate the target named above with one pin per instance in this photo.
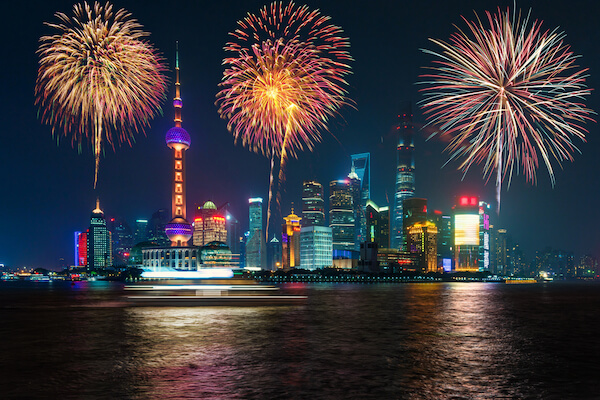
(316, 249)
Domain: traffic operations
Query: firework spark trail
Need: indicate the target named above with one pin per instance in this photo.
(283, 82)
(508, 94)
(98, 74)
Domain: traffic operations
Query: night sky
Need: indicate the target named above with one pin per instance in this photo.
(47, 189)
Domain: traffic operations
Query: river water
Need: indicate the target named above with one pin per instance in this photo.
(383, 341)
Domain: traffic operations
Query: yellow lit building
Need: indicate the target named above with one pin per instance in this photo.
(422, 239)
(291, 241)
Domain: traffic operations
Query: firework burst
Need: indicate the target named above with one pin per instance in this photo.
(508, 95)
(284, 81)
(99, 79)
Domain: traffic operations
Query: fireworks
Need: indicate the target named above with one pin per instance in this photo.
(284, 81)
(98, 78)
(508, 95)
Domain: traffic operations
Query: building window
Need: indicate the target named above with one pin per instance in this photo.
(179, 200)
(178, 177)
(178, 211)
(178, 188)
(178, 164)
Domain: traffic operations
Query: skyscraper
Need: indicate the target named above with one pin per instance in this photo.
(414, 210)
(445, 239)
(405, 176)
(274, 254)
(256, 256)
(209, 225)
(179, 230)
(421, 239)
(141, 231)
(466, 234)
(315, 247)
(122, 240)
(341, 214)
(485, 253)
(358, 210)
(378, 224)
(361, 164)
(313, 207)
(99, 250)
(290, 241)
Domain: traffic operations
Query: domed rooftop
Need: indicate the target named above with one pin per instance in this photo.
(178, 135)
(209, 205)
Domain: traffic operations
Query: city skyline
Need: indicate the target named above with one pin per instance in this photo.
(133, 181)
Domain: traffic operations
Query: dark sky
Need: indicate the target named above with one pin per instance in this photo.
(46, 189)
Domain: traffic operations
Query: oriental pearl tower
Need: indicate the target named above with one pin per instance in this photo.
(179, 230)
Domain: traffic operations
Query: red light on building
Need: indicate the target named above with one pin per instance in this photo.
(473, 201)
(464, 201)
(296, 229)
(437, 212)
(217, 218)
(425, 209)
(199, 219)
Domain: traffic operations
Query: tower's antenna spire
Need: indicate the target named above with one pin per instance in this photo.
(177, 103)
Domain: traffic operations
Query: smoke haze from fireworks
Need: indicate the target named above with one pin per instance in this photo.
(508, 95)
(99, 79)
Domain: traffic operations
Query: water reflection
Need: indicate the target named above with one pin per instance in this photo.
(421, 341)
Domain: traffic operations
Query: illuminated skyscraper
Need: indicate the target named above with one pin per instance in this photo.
(358, 210)
(405, 176)
(290, 241)
(82, 249)
(122, 240)
(209, 225)
(316, 249)
(341, 214)
(361, 164)
(466, 234)
(256, 254)
(415, 210)
(179, 230)
(485, 252)
(445, 239)
(378, 224)
(99, 250)
(274, 254)
(421, 239)
(313, 207)
(141, 231)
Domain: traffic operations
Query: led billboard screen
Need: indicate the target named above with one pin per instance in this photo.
(466, 229)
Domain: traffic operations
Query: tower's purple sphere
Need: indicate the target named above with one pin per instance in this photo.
(178, 135)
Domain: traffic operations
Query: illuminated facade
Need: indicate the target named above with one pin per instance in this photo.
(179, 230)
(290, 243)
(99, 249)
(466, 234)
(485, 241)
(405, 177)
(421, 239)
(313, 206)
(316, 249)
(341, 214)
(178, 258)
(445, 239)
(209, 225)
(141, 231)
(255, 250)
(361, 165)
(358, 210)
(377, 224)
(81, 243)
(414, 210)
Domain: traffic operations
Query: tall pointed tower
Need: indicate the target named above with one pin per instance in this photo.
(405, 176)
(179, 230)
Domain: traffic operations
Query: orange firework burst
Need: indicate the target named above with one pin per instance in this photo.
(285, 81)
(98, 74)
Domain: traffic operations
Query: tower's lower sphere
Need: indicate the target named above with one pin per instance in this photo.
(179, 230)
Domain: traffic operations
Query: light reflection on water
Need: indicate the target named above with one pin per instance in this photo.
(421, 341)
